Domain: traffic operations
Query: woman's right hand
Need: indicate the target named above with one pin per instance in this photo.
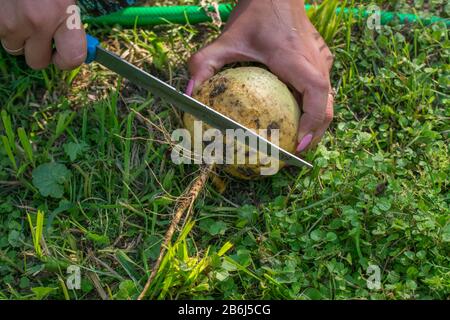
(30, 27)
(278, 34)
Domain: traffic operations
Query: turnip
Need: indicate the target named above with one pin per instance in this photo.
(257, 99)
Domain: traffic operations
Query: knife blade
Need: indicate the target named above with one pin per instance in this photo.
(180, 100)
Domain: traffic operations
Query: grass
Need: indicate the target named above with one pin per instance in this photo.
(86, 180)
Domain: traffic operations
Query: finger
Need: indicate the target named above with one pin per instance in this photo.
(314, 87)
(314, 117)
(70, 46)
(190, 88)
(329, 114)
(209, 60)
(38, 51)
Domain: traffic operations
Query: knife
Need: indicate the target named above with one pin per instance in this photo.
(182, 101)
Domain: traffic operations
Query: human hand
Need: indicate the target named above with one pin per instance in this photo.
(29, 27)
(278, 34)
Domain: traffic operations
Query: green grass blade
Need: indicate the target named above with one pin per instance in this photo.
(37, 232)
(9, 152)
(26, 145)
(6, 119)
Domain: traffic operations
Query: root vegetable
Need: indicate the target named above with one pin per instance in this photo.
(257, 99)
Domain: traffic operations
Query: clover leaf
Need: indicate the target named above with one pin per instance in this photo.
(49, 178)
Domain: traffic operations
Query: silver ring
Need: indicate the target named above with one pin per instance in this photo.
(15, 52)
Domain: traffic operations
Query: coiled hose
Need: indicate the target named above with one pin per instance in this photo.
(147, 16)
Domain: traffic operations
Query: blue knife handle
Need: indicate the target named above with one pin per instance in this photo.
(92, 44)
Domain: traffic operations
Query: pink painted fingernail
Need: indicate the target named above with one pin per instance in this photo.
(190, 88)
(305, 142)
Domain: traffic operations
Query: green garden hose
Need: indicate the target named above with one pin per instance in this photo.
(142, 16)
(387, 16)
(145, 16)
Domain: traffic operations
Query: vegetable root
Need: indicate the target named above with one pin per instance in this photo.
(185, 203)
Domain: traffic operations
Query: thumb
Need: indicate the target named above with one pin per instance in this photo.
(209, 60)
(70, 47)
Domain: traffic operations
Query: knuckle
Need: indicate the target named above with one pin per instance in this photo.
(9, 26)
(317, 118)
(37, 17)
(196, 59)
(320, 83)
(331, 58)
(327, 52)
(34, 18)
(200, 63)
(330, 61)
(200, 60)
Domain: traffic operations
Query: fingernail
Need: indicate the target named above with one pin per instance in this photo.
(305, 142)
(190, 88)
